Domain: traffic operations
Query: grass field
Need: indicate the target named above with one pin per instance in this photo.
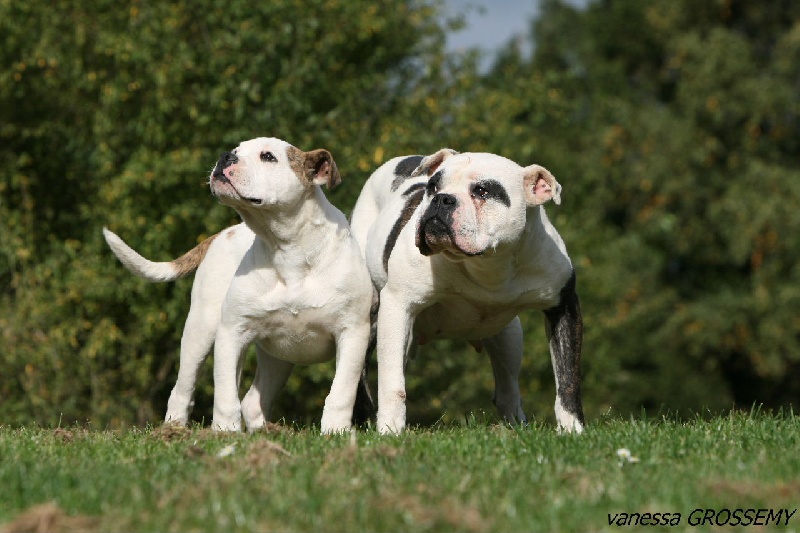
(478, 477)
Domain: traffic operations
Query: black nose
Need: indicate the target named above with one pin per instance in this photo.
(444, 201)
(226, 159)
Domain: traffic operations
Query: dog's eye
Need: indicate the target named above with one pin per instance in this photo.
(480, 192)
(433, 183)
(268, 157)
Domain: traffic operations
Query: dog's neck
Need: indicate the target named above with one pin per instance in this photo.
(293, 234)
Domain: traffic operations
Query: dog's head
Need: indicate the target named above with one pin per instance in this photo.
(269, 172)
(477, 201)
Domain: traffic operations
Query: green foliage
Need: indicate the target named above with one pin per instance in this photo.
(674, 127)
(472, 478)
(116, 113)
(691, 154)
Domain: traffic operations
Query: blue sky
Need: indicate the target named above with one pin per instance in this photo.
(492, 23)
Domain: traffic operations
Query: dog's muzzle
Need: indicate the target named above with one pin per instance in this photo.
(226, 159)
(436, 222)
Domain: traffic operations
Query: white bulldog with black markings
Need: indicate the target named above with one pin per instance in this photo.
(458, 246)
(291, 278)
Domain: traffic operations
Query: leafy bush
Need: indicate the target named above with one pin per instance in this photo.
(673, 127)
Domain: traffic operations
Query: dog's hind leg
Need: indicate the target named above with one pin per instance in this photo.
(364, 408)
(505, 353)
(271, 377)
(564, 327)
(196, 342)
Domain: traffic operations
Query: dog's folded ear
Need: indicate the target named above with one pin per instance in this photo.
(321, 169)
(430, 163)
(540, 186)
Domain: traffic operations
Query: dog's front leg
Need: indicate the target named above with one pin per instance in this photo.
(228, 350)
(395, 323)
(351, 345)
(564, 327)
(505, 352)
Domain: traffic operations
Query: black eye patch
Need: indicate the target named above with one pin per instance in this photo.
(491, 189)
(433, 183)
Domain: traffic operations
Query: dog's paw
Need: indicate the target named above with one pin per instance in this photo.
(231, 428)
(226, 424)
(178, 407)
(252, 414)
(571, 427)
(511, 410)
(392, 412)
(177, 420)
(388, 425)
(336, 430)
(567, 422)
(333, 423)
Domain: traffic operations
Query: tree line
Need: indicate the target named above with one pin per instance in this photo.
(673, 126)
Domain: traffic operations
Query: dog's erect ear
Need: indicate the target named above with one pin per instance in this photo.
(321, 168)
(430, 163)
(540, 186)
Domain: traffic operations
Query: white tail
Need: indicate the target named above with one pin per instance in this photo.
(154, 270)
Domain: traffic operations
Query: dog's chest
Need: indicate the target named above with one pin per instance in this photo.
(295, 323)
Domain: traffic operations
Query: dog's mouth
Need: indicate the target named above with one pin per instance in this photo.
(221, 180)
(436, 236)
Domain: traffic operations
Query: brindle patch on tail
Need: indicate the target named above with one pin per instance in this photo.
(189, 261)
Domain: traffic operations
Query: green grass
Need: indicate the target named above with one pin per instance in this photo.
(476, 478)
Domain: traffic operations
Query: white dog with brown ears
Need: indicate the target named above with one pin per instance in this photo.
(291, 278)
(459, 245)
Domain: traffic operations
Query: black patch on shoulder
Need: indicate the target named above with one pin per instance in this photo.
(404, 169)
(495, 190)
(407, 165)
(405, 215)
(414, 188)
